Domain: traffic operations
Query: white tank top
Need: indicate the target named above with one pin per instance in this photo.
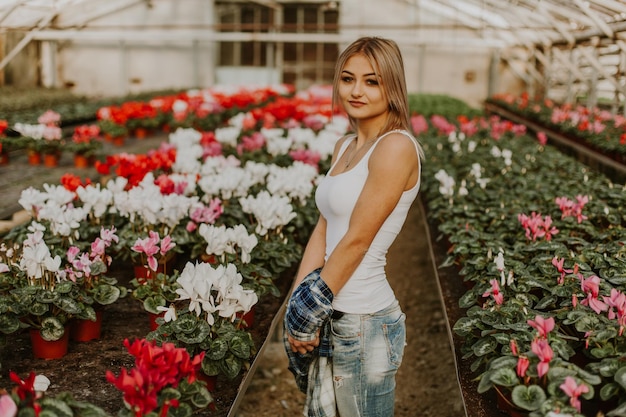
(367, 291)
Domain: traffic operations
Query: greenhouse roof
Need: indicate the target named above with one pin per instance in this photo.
(503, 22)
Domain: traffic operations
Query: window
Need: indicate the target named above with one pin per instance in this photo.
(299, 63)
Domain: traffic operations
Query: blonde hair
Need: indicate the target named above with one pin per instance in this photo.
(386, 59)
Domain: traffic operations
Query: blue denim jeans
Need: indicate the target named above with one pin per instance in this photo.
(367, 352)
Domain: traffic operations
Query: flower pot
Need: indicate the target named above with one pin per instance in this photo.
(34, 158)
(86, 330)
(140, 133)
(50, 160)
(142, 272)
(118, 140)
(210, 381)
(506, 405)
(153, 324)
(44, 349)
(81, 161)
(247, 320)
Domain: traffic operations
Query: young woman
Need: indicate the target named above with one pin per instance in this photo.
(345, 331)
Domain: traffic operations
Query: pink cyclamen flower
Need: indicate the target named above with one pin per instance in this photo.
(495, 292)
(166, 245)
(544, 352)
(542, 138)
(522, 366)
(8, 408)
(558, 263)
(617, 308)
(513, 346)
(591, 287)
(573, 391)
(543, 326)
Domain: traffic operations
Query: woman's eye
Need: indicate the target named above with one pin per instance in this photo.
(346, 79)
(372, 82)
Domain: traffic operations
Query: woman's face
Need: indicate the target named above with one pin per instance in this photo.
(360, 91)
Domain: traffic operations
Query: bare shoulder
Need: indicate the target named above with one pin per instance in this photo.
(397, 146)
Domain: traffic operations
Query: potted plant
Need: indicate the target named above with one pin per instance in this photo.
(29, 397)
(42, 296)
(88, 270)
(156, 293)
(85, 145)
(204, 318)
(164, 378)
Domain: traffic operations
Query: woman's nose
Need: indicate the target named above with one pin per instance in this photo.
(357, 89)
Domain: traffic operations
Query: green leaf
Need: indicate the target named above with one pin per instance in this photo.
(620, 376)
(56, 407)
(465, 326)
(240, 345)
(183, 410)
(51, 329)
(9, 323)
(528, 397)
(217, 350)
(484, 346)
(609, 390)
(230, 366)
(505, 377)
(106, 294)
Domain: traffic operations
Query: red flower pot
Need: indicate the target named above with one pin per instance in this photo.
(153, 324)
(50, 160)
(247, 320)
(81, 161)
(210, 381)
(44, 349)
(86, 330)
(34, 158)
(142, 272)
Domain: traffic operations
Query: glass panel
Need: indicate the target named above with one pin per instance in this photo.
(290, 52)
(310, 19)
(327, 75)
(247, 19)
(331, 20)
(290, 18)
(310, 52)
(330, 52)
(289, 77)
(227, 20)
(247, 53)
(226, 53)
(262, 55)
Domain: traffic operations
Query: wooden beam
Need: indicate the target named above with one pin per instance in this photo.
(572, 68)
(597, 65)
(597, 20)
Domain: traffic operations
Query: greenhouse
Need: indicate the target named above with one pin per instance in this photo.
(164, 165)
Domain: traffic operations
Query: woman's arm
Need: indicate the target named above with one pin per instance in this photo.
(393, 168)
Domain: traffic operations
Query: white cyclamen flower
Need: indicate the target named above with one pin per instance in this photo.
(270, 212)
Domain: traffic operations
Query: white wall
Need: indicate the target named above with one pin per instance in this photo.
(114, 68)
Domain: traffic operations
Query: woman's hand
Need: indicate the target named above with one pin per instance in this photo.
(304, 347)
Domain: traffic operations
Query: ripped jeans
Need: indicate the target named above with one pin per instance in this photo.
(367, 352)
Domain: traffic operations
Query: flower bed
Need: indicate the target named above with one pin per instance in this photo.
(538, 239)
(596, 128)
